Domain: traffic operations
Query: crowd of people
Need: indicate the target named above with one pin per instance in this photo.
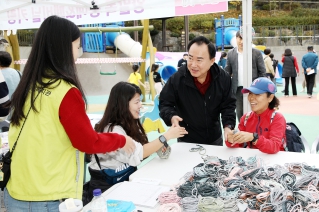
(200, 103)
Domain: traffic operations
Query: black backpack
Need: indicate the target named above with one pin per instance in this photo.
(293, 141)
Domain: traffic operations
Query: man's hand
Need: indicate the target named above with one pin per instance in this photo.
(230, 137)
(226, 132)
(129, 146)
(175, 121)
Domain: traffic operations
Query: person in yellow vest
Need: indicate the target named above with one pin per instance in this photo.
(50, 125)
(136, 77)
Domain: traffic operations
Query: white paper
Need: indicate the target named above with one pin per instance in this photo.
(140, 194)
(312, 71)
(147, 181)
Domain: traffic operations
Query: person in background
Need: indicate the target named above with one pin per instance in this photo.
(182, 61)
(122, 116)
(290, 70)
(159, 82)
(274, 62)
(50, 124)
(199, 97)
(263, 128)
(11, 76)
(235, 68)
(270, 73)
(222, 60)
(304, 84)
(4, 99)
(309, 64)
(136, 77)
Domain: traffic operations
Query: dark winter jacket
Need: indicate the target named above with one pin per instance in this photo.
(200, 113)
(290, 66)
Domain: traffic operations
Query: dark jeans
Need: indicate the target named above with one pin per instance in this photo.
(239, 103)
(293, 86)
(310, 79)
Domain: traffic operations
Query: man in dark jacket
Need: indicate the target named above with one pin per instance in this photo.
(196, 96)
(182, 61)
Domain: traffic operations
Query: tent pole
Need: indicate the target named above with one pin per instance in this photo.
(144, 49)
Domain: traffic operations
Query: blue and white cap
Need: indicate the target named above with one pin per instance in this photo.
(261, 85)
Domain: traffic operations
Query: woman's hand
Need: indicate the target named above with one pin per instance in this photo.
(175, 132)
(242, 137)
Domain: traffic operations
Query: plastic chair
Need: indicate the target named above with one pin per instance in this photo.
(315, 146)
(305, 144)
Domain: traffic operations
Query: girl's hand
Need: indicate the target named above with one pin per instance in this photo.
(175, 132)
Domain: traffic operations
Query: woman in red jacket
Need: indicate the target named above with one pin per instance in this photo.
(263, 128)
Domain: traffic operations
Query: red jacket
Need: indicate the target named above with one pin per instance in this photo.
(270, 134)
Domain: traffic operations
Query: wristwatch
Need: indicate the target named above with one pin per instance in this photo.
(255, 138)
(163, 140)
(229, 126)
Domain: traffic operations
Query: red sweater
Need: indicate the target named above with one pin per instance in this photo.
(79, 129)
(270, 135)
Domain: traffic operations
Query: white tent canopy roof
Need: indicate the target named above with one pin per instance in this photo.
(23, 14)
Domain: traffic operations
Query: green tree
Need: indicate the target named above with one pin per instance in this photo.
(237, 4)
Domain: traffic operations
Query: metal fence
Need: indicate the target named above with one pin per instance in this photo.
(26, 37)
(287, 35)
(265, 35)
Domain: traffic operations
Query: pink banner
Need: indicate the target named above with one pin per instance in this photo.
(15, 15)
(188, 9)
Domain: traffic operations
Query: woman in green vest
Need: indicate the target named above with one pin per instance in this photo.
(50, 125)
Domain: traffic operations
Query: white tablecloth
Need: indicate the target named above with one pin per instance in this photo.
(182, 161)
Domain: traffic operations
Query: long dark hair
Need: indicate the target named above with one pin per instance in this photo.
(51, 57)
(117, 112)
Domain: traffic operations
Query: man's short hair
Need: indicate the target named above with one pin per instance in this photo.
(238, 35)
(185, 54)
(199, 41)
(310, 48)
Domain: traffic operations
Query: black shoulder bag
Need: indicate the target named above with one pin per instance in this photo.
(5, 158)
(112, 176)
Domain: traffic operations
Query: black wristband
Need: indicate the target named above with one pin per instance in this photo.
(229, 126)
(255, 137)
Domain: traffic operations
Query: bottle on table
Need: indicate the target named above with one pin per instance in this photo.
(98, 203)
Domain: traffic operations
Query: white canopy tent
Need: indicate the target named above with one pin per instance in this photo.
(26, 14)
(23, 14)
